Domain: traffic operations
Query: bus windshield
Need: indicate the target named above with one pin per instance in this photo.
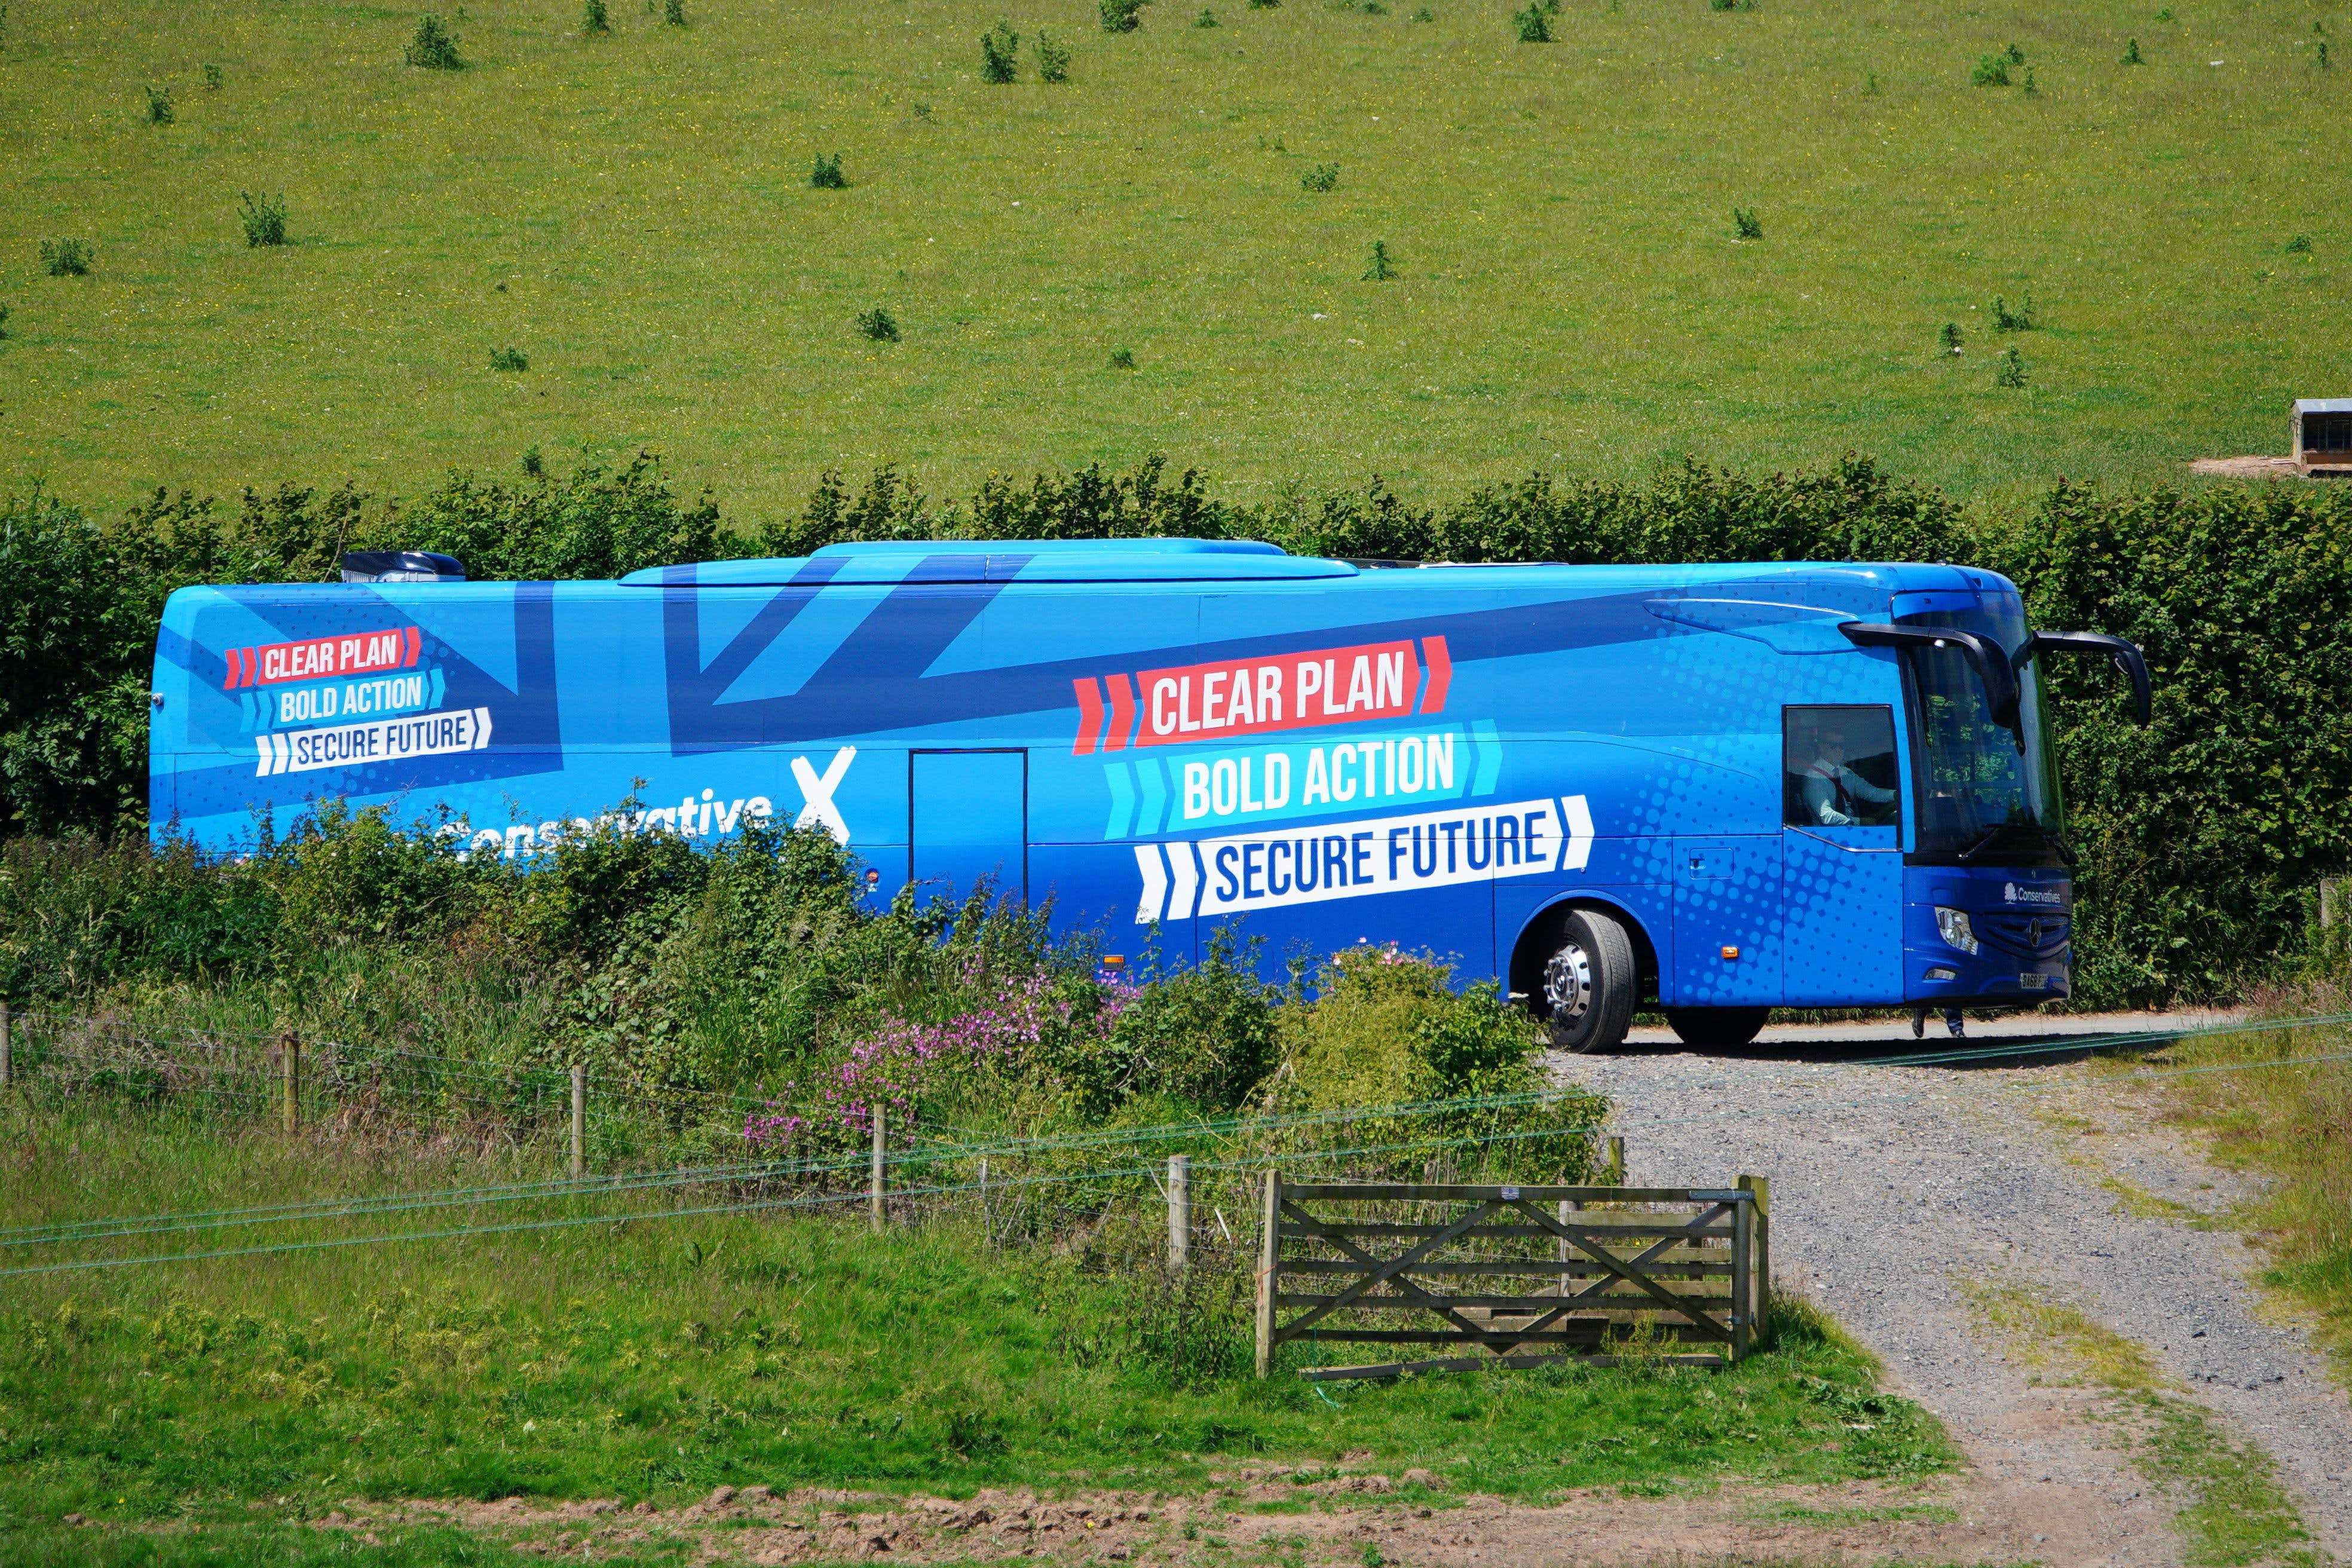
(1981, 799)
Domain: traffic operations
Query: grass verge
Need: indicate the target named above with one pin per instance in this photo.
(2232, 1510)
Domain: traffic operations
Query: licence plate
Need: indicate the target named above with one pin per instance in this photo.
(2032, 982)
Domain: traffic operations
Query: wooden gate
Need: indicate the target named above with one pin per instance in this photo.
(1553, 1274)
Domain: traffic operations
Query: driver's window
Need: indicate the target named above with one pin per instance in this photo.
(1838, 768)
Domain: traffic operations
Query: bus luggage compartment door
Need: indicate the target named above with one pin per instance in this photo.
(968, 818)
(1727, 924)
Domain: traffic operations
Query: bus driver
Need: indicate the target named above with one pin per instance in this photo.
(1835, 794)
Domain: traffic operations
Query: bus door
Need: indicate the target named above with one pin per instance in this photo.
(1728, 940)
(968, 818)
(1842, 855)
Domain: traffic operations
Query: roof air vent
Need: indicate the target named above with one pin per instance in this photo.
(401, 566)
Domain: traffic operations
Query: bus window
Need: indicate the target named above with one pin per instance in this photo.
(1838, 768)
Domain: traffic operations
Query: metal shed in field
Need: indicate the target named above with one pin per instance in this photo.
(2323, 436)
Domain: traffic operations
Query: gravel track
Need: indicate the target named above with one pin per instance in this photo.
(1891, 1186)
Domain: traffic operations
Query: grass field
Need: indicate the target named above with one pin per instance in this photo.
(663, 1357)
(633, 211)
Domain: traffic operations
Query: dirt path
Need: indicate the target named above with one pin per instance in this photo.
(1900, 1194)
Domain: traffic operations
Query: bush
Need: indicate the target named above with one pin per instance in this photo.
(1383, 268)
(65, 257)
(2005, 320)
(827, 175)
(1534, 25)
(592, 19)
(998, 59)
(1387, 1028)
(159, 106)
(878, 324)
(1321, 177)
(434, 48)
(2012, 370)
(1991, 71)
(1052, 59)
(1122, 16)
(510, 359)
(1744, 223)
(264, 218)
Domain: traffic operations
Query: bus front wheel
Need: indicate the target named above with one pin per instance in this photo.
(1716, 1028)
(1590, 982)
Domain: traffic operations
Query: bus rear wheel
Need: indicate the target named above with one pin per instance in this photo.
(1717, 1028)
(1588, 983)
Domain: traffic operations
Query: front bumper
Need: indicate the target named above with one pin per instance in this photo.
(2024, 925)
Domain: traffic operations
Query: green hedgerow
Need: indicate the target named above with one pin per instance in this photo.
(434, 48)
(2012, 370)
(999, 58)
(1384, 266)
(592, 19)
(1745, 225)
(1321, 177)
(878, 324)
(264, 218)
(827, 174)
(510, 359)
(1053, 58)
(1534, 25)
(65, 257)
(159, 106)
(1122, 16)
(1991, 71)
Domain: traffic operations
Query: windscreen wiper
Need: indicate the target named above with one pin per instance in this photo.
(1994, 671)
(1991, 836)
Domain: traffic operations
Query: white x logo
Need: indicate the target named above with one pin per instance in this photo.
(817, 809)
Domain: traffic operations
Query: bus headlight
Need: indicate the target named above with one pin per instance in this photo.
(1953, 926)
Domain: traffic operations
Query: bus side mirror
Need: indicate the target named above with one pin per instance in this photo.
(2125, 656)
(1991, 665)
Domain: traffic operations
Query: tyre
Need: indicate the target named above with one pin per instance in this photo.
(1588, 983)
(1717, 1028)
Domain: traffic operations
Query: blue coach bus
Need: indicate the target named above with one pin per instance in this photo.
(1714, 789)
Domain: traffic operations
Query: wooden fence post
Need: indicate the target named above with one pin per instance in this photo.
(1616, 1160)
(579, 1119)
(1763, 1187)
(873, 1178)
(290, 1058)
(987, 1220)
(1179, 1210)
(1743, 1300)
(1269, 1263)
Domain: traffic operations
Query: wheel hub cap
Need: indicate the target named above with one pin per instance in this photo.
(1568, 983)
